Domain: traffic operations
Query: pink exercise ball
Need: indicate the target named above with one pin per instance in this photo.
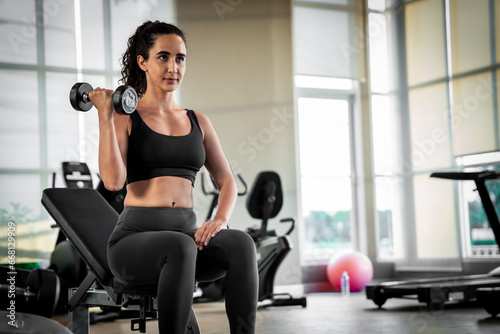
(358, 266)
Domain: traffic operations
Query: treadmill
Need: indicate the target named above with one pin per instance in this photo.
(435, 292)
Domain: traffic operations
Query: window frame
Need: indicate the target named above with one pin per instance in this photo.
(318, 256)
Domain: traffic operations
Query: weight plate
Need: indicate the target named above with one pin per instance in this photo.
(45, 285)
(76, 96)
(125, 100)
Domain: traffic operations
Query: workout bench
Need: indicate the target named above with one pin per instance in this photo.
(87, 220)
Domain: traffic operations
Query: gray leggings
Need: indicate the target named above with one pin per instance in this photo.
(156, 245)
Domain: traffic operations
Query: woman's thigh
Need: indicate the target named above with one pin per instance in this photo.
(227, 248)
(140, 257)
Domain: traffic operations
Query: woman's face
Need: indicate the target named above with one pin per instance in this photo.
(166, 65)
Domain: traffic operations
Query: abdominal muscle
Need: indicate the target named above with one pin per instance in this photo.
(164, 191)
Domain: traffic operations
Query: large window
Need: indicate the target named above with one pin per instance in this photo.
(327, 88)
(439, 106)
(46, 47)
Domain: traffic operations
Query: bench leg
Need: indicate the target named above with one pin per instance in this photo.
(78, 320)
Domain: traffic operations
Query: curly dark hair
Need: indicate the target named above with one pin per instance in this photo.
(139, 44)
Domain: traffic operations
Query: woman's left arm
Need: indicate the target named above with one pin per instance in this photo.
(218, 167)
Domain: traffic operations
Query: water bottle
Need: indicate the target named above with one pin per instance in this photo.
(344, 284)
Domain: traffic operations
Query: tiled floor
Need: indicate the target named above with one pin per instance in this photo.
(332, 313)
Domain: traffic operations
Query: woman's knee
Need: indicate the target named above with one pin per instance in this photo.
(241, 244)
(180, 248)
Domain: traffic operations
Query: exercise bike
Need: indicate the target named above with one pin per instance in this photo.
(264, 202)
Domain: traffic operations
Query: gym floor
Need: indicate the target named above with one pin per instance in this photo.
(332, 313)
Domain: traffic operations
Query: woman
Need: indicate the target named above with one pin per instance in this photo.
(157, 151)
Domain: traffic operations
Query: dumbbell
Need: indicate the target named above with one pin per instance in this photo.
(124, 98)
(41, 292)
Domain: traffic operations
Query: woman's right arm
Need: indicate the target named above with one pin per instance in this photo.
(113, 140)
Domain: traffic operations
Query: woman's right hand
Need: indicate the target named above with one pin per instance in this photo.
(113, 140)
(102, 99)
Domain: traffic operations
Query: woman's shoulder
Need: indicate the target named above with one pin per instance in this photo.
(202, 118)
(204, 123)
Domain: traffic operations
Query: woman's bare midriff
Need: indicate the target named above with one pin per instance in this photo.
(164, 191)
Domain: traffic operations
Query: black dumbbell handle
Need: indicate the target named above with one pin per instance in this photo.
(19, 291)
(85, 97)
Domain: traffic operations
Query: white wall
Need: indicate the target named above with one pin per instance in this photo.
(240, 74)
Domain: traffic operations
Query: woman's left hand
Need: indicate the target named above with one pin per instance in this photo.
(207, 231)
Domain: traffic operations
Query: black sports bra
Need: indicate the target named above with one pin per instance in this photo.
(152, 154)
